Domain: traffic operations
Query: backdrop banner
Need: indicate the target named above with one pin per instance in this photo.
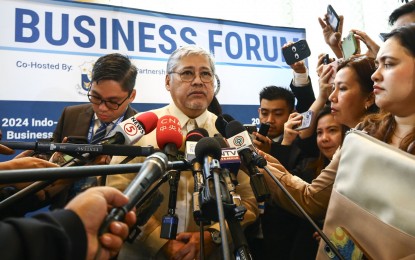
(48, 48)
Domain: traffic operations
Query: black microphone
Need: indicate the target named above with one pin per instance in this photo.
(208, 154)
(191, 141)
(79, 149)
(239, 138)
(221, 123)
(153, 168)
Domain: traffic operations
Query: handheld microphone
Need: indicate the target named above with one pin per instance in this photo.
(153, 168)
(169, 136)
(239, 138)
(169, 139)
(191, 141)
(221, 123)
(131, 130)
(208, 154)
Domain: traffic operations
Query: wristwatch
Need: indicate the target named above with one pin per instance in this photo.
(215, 235)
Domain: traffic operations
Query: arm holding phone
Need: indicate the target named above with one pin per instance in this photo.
(331, 37)
(372, 47)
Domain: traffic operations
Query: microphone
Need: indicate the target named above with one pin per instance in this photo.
(169, 139)
(169, 136)
(230, 158)
(78, 149)
(152, 169)
(208, 154)
(221, 123)
(239, 138)
(191, 141)
(131, 130)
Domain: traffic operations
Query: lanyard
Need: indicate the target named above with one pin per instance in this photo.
(91, 127)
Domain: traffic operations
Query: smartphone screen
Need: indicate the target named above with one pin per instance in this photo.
(334, 20)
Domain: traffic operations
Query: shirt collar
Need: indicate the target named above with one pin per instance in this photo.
(200, 120)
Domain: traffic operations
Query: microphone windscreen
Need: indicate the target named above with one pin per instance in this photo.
(169, 130)
(228, 117)
(220, 125)
(207, 146)
(234, 128)
(221, 141)
(196, 134)
(148, 120)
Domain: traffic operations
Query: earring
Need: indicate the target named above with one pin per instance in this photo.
(366, 107)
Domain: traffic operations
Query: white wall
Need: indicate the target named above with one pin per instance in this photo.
(370, 16)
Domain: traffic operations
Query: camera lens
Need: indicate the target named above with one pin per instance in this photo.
(296, 56)
(294, 49)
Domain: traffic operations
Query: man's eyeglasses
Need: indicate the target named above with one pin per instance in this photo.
(110, 104)
(189, 76)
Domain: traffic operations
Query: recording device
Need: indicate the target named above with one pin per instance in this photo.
(305, 121)
(296, 52)
(169, 139)
(349, 46)
(153, 168)
(239, 138)
(250, 128)
(333, 18)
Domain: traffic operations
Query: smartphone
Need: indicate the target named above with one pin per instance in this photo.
(306, 121)
(296, 52)
(333, 64)
(346, 246)
(382, 36)
(326, 59)
(263, 129)
(349, 46)
(250, 128)
(333, 18)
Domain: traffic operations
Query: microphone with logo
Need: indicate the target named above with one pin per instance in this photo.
(239, 138)
(169, 140)
(153, 168)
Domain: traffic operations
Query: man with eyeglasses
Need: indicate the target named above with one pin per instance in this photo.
(189, 79)
(110, 93)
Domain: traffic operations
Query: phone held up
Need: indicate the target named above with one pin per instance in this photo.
(296, 52)
(263, 129)
(333, 18)
(306, 121)
(349, 46)
(250, 128)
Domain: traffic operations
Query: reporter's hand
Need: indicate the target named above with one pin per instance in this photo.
(372, 47)
(92, 206)
(289, 132)
(6, 150)
(262, 142)
(332, 38)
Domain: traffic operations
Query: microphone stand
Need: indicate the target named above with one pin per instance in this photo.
(233, 219)
(298, 206)
(215, 167)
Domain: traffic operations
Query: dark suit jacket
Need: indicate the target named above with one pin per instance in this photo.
(75, 121)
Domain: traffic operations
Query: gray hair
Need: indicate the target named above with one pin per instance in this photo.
(185, 51)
